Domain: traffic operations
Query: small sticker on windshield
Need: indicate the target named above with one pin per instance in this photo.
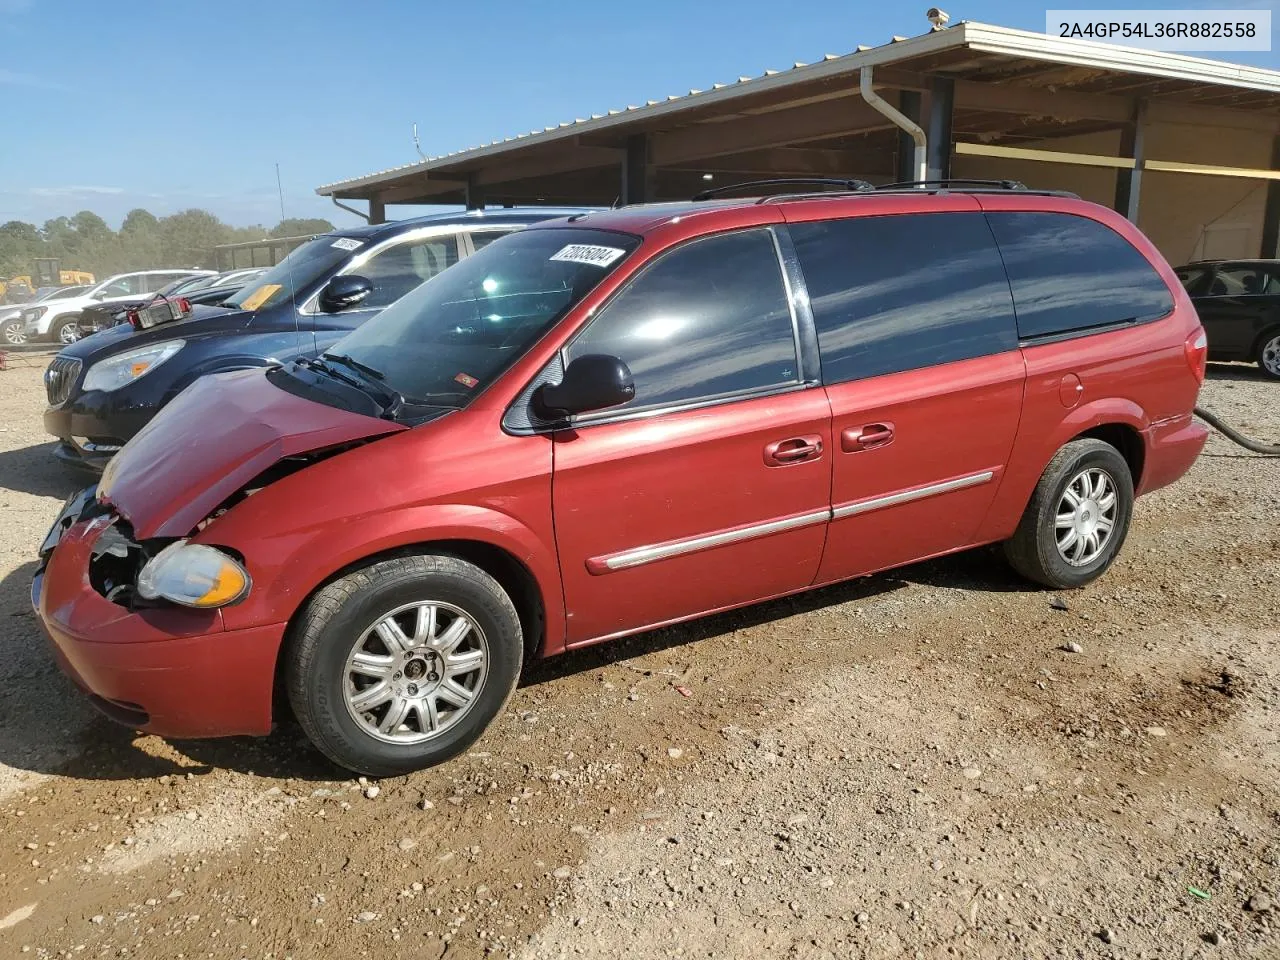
(466, 380)
(346, 243)
(589, 254)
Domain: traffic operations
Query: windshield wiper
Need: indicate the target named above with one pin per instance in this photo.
(355, 364)
(390, 400)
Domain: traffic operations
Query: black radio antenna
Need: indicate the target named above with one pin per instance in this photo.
(293, 288)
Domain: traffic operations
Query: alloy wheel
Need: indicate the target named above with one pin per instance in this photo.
(14, 333)
(416, 672)
(1086, 516)
(68, 333)
(1271, 356)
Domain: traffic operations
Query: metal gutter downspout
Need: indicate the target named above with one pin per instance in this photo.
(877, 102)
(338, 203)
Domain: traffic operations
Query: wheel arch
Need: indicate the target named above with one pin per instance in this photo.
(1127, 439)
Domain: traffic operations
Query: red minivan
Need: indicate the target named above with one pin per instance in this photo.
(625, 419)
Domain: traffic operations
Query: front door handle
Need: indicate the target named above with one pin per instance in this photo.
(854, 439)
(780, 453)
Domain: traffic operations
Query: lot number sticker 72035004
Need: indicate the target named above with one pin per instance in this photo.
(588, 253)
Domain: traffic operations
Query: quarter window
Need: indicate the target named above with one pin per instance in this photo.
(405, 266)
(1070, 273)
(900, 292)
(708, 319)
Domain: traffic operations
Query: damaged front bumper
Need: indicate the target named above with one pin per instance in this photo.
(165, 670)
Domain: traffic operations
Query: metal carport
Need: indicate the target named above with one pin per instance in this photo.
(1175, 142)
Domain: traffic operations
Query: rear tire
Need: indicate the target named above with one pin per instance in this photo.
(1269, 355)
(402, 664)
(1077, 518)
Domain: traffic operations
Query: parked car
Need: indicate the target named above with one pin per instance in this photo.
(13, 329)
(103, 389)
(1239, 305)
(212, 289)
(58, 318)
(622, 420)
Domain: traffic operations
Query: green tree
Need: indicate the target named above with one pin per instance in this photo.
(139, 222)
(188, 238)
(301, 227)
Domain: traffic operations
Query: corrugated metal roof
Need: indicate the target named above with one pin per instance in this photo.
(978, 36)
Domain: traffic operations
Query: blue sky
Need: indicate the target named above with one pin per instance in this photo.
(169, 105)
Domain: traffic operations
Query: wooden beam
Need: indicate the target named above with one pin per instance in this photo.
(1031, 101)
(1071, 105)
(1118, 163)
(560, 160)
(1207, 169)
(1048, 156)
(421, 187)
(778, 159)
(1171, 111)
(818, 121)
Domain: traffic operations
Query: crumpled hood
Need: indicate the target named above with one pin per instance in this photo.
(216, 436)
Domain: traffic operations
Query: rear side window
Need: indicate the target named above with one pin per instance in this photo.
(900, 292)
(1244, 280)
(1070, 273)
(406, 266)
(708, 319)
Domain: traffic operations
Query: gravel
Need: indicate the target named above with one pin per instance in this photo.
(904, 765)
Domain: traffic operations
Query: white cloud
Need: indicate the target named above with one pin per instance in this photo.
(74, 191)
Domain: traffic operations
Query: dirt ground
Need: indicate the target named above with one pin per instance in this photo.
(908, 765)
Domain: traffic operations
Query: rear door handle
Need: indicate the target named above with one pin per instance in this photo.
(867, 437)
(780, 453)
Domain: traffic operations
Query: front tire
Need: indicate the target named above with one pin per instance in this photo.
(13, 333)
(1269, 355)
(402, 664)
(66, 331)
(1077, 518)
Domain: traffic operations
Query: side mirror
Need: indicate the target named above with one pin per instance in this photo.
(595, 381)
(343, 292)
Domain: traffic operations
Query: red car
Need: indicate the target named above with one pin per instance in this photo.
(621, 420)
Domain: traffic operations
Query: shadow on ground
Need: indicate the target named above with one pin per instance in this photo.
(1239, 372)
(34, 470)
(47, 725)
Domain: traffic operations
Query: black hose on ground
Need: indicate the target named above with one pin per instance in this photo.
(1269, 449)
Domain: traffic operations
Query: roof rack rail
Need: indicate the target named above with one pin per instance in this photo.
(847, 184)
(963, 181)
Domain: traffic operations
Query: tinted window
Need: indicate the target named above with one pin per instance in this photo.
(122, 287)
(1243, 280)
(481, 240)
(706, 319)
(1194, 279)
(405, 266)
(897, 293)
(1070, 273)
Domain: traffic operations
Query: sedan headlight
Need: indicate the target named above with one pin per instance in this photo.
(124, 368)
(194, 575)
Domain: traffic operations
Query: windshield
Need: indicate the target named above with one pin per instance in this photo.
(455, 334)
(302, 267)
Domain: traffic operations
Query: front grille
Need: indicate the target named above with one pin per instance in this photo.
(60, 378)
